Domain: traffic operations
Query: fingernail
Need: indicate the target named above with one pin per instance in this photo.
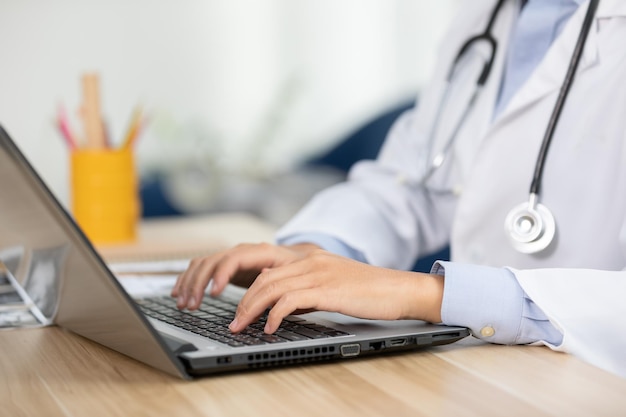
(180, 301)
(266, 329)
(192, 301)
(233, 324)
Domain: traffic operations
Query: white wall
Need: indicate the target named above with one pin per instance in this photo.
(220, 77)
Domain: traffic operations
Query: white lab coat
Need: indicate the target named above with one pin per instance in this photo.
(382, 213)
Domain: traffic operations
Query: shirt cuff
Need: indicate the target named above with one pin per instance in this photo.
(491, 303)
(325, 242)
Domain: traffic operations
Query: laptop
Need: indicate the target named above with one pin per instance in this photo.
(44, 252)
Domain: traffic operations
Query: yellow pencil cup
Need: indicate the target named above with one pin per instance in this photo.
(105, 198)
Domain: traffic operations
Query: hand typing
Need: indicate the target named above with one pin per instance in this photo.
(305, 278)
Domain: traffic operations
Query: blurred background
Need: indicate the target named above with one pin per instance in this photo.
(250, 102)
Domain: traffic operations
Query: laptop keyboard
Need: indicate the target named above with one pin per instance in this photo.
(215, 314)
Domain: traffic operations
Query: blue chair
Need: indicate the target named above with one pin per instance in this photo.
(364, 143)
(154, 202)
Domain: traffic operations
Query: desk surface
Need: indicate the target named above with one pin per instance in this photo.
(51, 372)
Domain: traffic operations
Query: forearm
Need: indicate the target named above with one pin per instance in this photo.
(487, 300)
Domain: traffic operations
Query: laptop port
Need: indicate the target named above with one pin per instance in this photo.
(377, 345)
(397, 342)
(352, 349)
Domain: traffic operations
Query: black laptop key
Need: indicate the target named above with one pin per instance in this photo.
(270, 338)
(214, 316)
(291, 335)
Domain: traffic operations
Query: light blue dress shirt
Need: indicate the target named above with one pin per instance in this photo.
(479, 296)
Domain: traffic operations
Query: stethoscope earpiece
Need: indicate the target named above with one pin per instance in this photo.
(530, 226)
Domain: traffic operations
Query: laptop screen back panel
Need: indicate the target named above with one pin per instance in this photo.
(64, 273)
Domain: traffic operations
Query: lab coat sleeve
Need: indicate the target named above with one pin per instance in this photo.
(588, 307)
(491, 303)
(375, 212)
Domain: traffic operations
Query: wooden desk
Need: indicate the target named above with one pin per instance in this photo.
(190, 236)
(50, 372)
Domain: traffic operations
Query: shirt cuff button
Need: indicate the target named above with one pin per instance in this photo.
(487, 331)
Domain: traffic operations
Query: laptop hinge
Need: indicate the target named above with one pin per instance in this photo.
(176, 345)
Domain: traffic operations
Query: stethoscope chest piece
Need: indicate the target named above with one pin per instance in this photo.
(530, 226)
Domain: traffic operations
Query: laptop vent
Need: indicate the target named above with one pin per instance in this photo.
(290, 357)
(271, 364)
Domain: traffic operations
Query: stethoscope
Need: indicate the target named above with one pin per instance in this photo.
(530, 226)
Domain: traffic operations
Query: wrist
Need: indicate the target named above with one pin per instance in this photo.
(426, 297)
(304, 248)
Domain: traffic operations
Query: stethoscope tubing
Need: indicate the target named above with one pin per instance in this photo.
(531, 226)
(535, 186)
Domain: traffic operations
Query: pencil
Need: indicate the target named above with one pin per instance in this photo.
(134, 128)
(92, 116)
(64, 128)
